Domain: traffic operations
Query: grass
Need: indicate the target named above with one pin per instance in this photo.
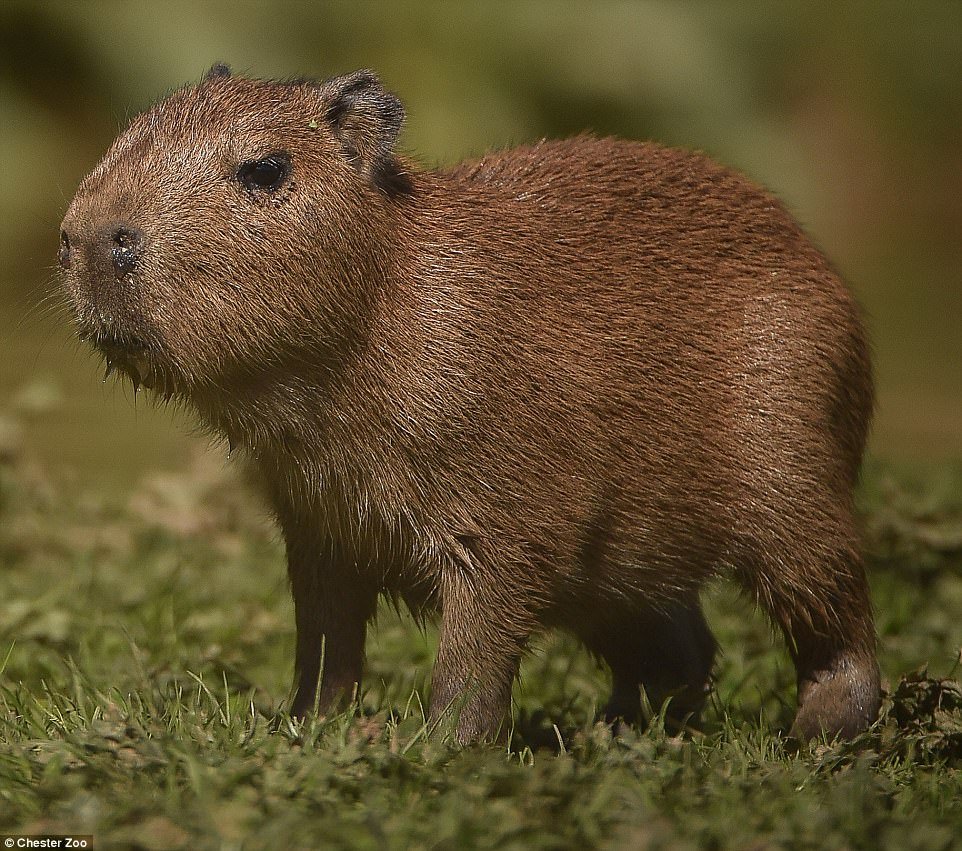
(145, 652)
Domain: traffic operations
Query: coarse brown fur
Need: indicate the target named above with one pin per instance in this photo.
(561, 386)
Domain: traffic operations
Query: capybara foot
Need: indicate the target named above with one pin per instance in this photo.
(840, 700)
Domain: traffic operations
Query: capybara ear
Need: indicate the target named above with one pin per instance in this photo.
(217, 71)
(367, 119)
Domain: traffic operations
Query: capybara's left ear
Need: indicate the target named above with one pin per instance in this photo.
(217, 71)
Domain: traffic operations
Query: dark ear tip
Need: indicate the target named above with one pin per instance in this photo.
(363, 91)
(218, 70)
(393, 109)
(356, 82)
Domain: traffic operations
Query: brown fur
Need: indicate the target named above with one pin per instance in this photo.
(561, 386)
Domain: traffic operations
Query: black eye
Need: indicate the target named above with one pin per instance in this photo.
(266, 174)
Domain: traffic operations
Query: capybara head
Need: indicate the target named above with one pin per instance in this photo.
(226, 220)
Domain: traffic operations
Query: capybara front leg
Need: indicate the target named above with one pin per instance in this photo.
(331, 608)
(478, 656)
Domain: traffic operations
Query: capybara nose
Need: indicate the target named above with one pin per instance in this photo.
(120, 243)
(126, 246)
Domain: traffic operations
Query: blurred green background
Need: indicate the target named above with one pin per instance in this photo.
(852, 113)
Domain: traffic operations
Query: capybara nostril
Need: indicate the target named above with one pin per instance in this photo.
(125, 250)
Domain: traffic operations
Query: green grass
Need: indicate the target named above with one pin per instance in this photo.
(145, 652)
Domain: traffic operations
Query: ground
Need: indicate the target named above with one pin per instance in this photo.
(145, 651)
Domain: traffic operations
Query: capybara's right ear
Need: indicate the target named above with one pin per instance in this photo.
(367, 119)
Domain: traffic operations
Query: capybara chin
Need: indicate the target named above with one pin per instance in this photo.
(560, 386)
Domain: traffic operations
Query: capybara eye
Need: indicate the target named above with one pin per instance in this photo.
(266, 174)
(63, 255)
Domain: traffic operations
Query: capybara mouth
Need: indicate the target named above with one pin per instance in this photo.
(131, 356)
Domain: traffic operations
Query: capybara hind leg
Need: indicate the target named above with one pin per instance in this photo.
(669, 652)
(838, 695)
(831, 636)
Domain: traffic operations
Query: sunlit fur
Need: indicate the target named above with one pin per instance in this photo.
(560, 386)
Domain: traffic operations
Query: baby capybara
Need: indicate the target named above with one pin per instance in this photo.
(560, 386)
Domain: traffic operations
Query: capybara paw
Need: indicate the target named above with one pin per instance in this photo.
(840, 701)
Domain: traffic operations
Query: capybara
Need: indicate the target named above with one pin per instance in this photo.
(560, 386)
